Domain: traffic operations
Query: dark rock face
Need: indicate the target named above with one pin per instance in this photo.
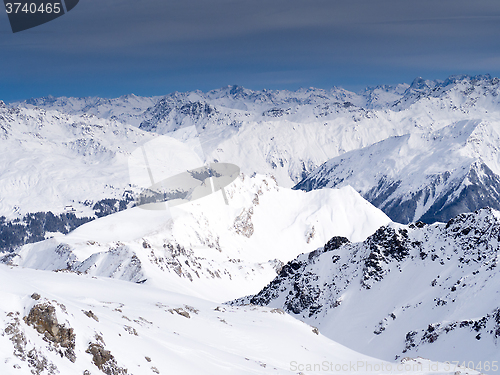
(487, 325)
(478, 188)
(104, 360)
(385, 245)
(482, 191)
(42, 317)
(335, 243)
(304, 295)
(455, 262)
(178, 109)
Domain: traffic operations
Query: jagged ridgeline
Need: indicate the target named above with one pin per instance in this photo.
(34, 227)
(428, 176)
(421, 151)
(407, 290)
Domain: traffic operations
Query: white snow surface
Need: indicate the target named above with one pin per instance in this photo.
(133, 268)
(49, 160)
(152, 331)
(206, 248)
(64, 151)
(431, 162)
(429, 291)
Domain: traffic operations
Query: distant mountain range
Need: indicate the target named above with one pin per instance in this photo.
(431, 176)
(291, 134)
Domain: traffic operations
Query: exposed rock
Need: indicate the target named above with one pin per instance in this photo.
(130, 330)
(312, 286)
(243, 223)
(43, 318)
(38, 363)
(104, 360)
(180, 311)
(90, 314)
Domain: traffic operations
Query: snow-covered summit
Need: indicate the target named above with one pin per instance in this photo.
(127, 108)
(457, 92)
(429, 176)
(206, 248)
(284, 133)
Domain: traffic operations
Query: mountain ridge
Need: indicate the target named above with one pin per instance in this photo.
(427, 290)
(278, 132)
(429, 176)
(206, 248)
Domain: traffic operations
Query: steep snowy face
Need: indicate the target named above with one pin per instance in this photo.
(458, 93)
(207, 248)
(383, 96)
(431, 176)
(426, 290)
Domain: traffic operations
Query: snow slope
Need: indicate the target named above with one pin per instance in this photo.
(206, 248)
(128, 109)
(136, 279)
(49, 160)
(430, 176)
(417, 290)
(58, 323)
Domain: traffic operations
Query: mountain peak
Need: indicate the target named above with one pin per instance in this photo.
(422, 84)
(426, 288)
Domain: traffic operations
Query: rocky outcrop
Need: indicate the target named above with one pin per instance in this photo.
(42, 317)
(104, 360)
(414, 279)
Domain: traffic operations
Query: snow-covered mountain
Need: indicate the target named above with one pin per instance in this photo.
(128, 109)
(95, 276)
(415, 290)
(238, 124)
(58, 323)
(431, 176)
(207, 248)
(49, 160)
(284, 133)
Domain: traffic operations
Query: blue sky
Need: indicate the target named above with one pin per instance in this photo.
(153, 47)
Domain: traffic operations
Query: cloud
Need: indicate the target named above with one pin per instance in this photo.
(235, 41)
